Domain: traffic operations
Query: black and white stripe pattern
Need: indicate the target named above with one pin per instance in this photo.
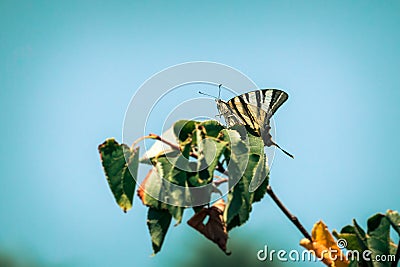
(254, 109)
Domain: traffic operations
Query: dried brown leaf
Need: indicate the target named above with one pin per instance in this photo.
(215, 228)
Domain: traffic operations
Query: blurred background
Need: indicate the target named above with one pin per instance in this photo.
(69, 68)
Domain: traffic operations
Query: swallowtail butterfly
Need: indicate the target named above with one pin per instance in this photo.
(254, 110)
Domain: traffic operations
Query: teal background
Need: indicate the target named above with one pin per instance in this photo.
(69, 68)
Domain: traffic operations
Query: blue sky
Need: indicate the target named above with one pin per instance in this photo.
(67, 73)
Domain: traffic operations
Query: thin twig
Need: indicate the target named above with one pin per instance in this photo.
(159, 138)
(139, 139)
(291, 217)
(396, 256)
(221, 181)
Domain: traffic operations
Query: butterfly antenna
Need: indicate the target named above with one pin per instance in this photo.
(219, 91)
(284, 151)
(200, 92)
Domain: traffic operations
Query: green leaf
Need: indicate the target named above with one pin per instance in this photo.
(361, 235)
(261, 190)
(239, 156)
(212, 128)
(186, 148)
(260, 177)
(255, 142)
(240, 199)
(158, 222)
(165, 187)
(378, 239)
(172, 168)
(354, 263)
(151, 190)
(348, 233)
(259, 181)
(394, 219)
(209, 153)
(392, 248)
(356, 240)
(183, 129)
(118, 172)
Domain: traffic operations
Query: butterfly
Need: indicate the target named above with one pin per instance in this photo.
(254, 110)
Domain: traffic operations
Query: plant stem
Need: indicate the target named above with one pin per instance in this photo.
(138, 140)
(291, 217)
(396, 256)
(159, 138)
(221, 181)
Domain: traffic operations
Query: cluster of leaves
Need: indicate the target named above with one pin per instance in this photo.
(373, 248)
(376, 240)
(169, 186)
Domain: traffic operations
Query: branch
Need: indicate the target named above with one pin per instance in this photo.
(138, 140)
(156, 137)
(220, 181)
(159, 138)
(291, 217)
(396, 256)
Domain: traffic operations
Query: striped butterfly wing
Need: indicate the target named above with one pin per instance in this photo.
(260, 106)
(254, 109)
(268, 100)
(248, 115)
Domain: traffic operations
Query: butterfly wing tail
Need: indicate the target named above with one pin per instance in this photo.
(284, 151)
(267, 138)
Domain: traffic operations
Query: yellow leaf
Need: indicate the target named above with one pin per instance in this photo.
(324, 246)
